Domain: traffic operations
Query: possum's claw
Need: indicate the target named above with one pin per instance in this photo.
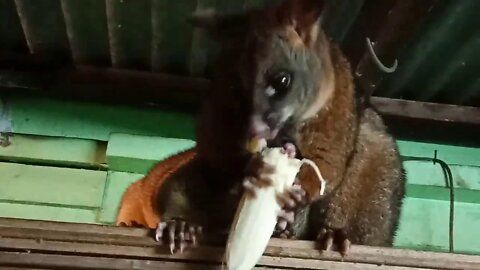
(290, 149)
(334, 239)
(291, 200)
(294, 198)
(178, 233)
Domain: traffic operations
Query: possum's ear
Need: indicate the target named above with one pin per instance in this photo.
(303, 15)
(219, 26)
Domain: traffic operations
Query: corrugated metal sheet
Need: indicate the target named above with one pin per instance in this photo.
(440, 63)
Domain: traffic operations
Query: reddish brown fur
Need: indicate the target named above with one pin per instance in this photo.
(139, 204)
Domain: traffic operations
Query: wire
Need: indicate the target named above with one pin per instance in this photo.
(377, 61)
(447, 173)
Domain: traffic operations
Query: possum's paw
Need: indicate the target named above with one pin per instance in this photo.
(290, 149)
(178, 234)
(283, 229)
(257, 169)
(291, 200)
(251, 184)
(334, 239)
(255, 175)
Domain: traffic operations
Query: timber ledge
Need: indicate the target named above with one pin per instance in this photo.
(29, 244)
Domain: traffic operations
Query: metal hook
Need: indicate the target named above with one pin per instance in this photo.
(377, 61)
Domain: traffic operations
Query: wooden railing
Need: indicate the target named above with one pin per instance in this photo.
(27, 244)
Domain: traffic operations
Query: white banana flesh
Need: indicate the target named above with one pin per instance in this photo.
(256, 216)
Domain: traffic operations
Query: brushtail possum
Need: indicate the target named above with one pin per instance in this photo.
(279, 77)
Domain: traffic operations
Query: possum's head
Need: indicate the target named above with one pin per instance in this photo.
(284, 67)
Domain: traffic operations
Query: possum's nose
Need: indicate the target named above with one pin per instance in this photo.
(265, 127)
(258, 127)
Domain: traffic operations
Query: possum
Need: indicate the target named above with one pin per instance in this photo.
(279, 77)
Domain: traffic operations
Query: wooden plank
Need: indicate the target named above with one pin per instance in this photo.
(442, 193)
(116, 86)
(130, 33)
(424, 225)
(95, 121)
(138, 154)
(45, 33)
(57, 261)
(55, 151)
(117, 183)
(51, 185)
(65, 239)
(427, 110)
(427, 173)
(451, 154)
(86, 26)
(88, 262)
(47, 212)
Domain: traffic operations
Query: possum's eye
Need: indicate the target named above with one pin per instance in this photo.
(279, 83)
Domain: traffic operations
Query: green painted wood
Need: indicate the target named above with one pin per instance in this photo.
(41, 116)
(427, 173)
(54, 151)
(451, 154)
(117, 183)
(442, 193)
(46, 212)
(138, 154)
(424, 226)
(51, 185)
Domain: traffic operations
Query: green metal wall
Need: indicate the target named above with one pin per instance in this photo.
(440, 63)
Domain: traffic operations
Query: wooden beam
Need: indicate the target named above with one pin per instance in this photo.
(427, 111)
(127, 86)
(41, 237)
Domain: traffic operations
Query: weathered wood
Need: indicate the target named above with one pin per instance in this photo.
(47, 117)
(451, 154)
(427, 111)
(86, 262)
(116, 85)
(51, 185)
(77, 153)
(47, 212)
(92, 240)
(117, 183)
(138, 154)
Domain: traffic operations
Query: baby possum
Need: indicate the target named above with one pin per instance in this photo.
(279, 77)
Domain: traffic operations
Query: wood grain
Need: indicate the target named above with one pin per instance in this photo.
(122, 246)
